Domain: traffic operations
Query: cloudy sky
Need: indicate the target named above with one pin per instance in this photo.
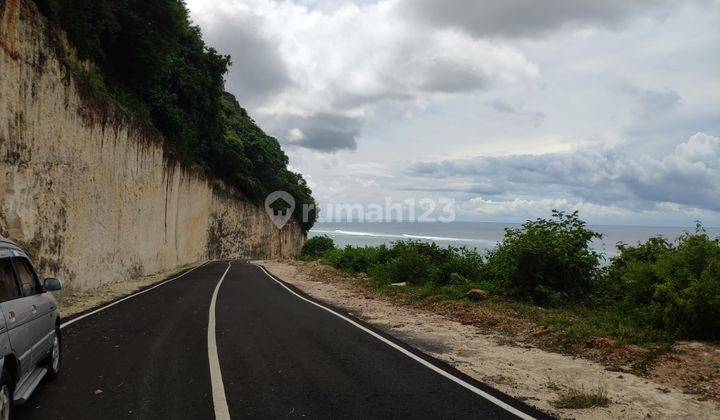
(506, 107)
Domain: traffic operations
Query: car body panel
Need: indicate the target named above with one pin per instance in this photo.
(18, 317)
(37, 303)
(4, 338)
(47, 318)
(27, 320)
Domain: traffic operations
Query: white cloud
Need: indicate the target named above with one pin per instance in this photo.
(700, 148)
(579, 103)
(297, 62)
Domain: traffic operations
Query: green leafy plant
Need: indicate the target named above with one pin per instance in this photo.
(674, 286)
(156, 66)
(547, 260)
(356, 259)
(317, 246)
(652, 292)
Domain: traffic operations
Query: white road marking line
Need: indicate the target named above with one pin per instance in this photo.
(218, 388)
(411, 355)
(74, 320)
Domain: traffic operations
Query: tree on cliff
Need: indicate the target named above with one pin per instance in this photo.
(147, 55)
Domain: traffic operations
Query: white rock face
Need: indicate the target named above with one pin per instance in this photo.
(90, 192)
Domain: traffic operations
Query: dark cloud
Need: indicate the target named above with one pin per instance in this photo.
(448, 77)
(690, 175)
(503, 106)
(258, 68)
(345, 100)
(484, 188)
(656, 102)
(520, 18)
(323, 131)
(426, 75)
(507, 108)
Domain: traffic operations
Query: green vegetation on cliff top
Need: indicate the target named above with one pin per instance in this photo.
(154, 63)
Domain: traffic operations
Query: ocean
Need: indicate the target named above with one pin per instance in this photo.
(478, 235)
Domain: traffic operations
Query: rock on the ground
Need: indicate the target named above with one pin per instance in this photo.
(477, 294)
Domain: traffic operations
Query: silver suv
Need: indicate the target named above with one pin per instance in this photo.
(29, 328)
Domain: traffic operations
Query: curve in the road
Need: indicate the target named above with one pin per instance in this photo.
(160, 354)
(130, 296)
(409, 354)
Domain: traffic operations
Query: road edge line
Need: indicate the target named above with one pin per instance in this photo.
(102, 308)
(218, 388)
(409, 354)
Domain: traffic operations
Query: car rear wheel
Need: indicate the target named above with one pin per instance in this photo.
(6, 395)
(55, 358)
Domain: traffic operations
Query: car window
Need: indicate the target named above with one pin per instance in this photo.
(26, 276)
(8, 286)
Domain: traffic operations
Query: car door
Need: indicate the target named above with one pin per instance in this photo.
(17, 315)
(46, 316)
(32, 298)
(8, 291)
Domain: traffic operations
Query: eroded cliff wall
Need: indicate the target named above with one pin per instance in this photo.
(91, 192)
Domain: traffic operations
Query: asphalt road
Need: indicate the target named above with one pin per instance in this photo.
(279, 355)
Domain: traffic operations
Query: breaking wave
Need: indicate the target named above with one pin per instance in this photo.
(403, 236)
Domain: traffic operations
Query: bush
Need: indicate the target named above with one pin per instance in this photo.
(671, 286)
(548, 261)
(317, 246)
(409, 261)
(702, 307)
(462, 262)
(637, 260)
(656, 290)
(407, 265)
(356, 259)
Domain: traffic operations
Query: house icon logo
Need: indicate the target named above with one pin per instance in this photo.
(279, 205)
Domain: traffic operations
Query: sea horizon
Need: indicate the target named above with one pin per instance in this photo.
(481, 236)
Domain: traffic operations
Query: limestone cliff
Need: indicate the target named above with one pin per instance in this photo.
(91, 192)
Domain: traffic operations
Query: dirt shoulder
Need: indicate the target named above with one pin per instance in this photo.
(75, 303)
(507, 359)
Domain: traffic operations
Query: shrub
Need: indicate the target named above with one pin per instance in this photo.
(702, 306)
(655, 290)
(548, 261)
(408, 265)
(458, 279)
(409, 261)
(672, 286)
(463, 262)
(639, 261)
(356, 259)
(426, 263)
(317, 246)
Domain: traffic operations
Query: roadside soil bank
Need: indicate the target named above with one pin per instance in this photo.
(492, 347)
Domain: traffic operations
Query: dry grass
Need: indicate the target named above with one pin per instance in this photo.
(577, 398)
